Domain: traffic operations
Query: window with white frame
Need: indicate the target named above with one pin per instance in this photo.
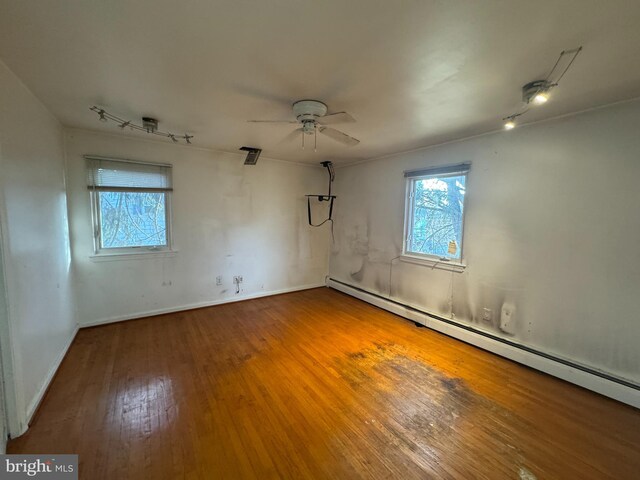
(131, 205)
(434, 216)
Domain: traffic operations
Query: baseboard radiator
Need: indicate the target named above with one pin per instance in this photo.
(597, 381)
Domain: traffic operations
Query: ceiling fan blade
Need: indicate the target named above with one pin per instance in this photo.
(272, 121)
(338, 117)
(293, 135)
(339, 136)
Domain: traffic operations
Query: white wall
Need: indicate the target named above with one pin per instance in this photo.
(551, 226)
(35, 241)
(228, 219)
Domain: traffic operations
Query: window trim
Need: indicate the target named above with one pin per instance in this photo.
(128, 252)
(108, 257)
(427, 259)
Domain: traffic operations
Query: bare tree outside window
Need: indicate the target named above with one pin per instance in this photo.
(132, 219)
(131, 205)
(436, 216)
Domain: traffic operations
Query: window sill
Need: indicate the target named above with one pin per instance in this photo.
(108, 257)
(434, 263)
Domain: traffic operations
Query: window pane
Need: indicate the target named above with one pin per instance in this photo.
(132, 219)
(436, 227)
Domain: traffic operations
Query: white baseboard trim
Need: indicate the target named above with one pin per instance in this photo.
(191, 306)
(35, 402)
(590, 381)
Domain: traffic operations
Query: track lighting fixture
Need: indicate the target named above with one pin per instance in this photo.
(537, 92)
(149, 125)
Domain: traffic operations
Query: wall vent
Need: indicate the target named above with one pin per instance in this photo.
(252, 155)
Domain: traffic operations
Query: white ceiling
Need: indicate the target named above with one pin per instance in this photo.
(413, 73)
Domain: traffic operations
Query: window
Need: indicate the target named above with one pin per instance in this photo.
(131, 204)
(434, 216)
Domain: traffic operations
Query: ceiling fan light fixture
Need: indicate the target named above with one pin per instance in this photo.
(313, 118)
(309, 128)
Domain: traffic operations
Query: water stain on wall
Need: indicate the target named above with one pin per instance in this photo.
(357, 270)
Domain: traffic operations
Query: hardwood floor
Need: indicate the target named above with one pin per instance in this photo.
(316, 384)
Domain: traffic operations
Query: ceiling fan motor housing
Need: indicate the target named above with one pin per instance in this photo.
(309, 110)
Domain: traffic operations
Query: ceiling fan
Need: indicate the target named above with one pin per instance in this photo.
(312, 115)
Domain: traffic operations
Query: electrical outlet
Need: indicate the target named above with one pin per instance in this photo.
(237, 280)
(487, 315)
(219, 280)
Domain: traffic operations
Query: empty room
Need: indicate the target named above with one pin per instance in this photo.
(333, 239)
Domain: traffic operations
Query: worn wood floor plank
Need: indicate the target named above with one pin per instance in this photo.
(317, 384)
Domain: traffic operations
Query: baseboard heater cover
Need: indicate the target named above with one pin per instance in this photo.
(599, 382)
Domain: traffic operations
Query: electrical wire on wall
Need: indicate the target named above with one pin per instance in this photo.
(391, 271)
(442, 261)
(416, 323)
(324, 198)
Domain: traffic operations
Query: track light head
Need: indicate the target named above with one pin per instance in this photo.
(541, 98)
(536, 92)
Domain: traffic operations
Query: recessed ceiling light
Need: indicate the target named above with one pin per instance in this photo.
(510, 125)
